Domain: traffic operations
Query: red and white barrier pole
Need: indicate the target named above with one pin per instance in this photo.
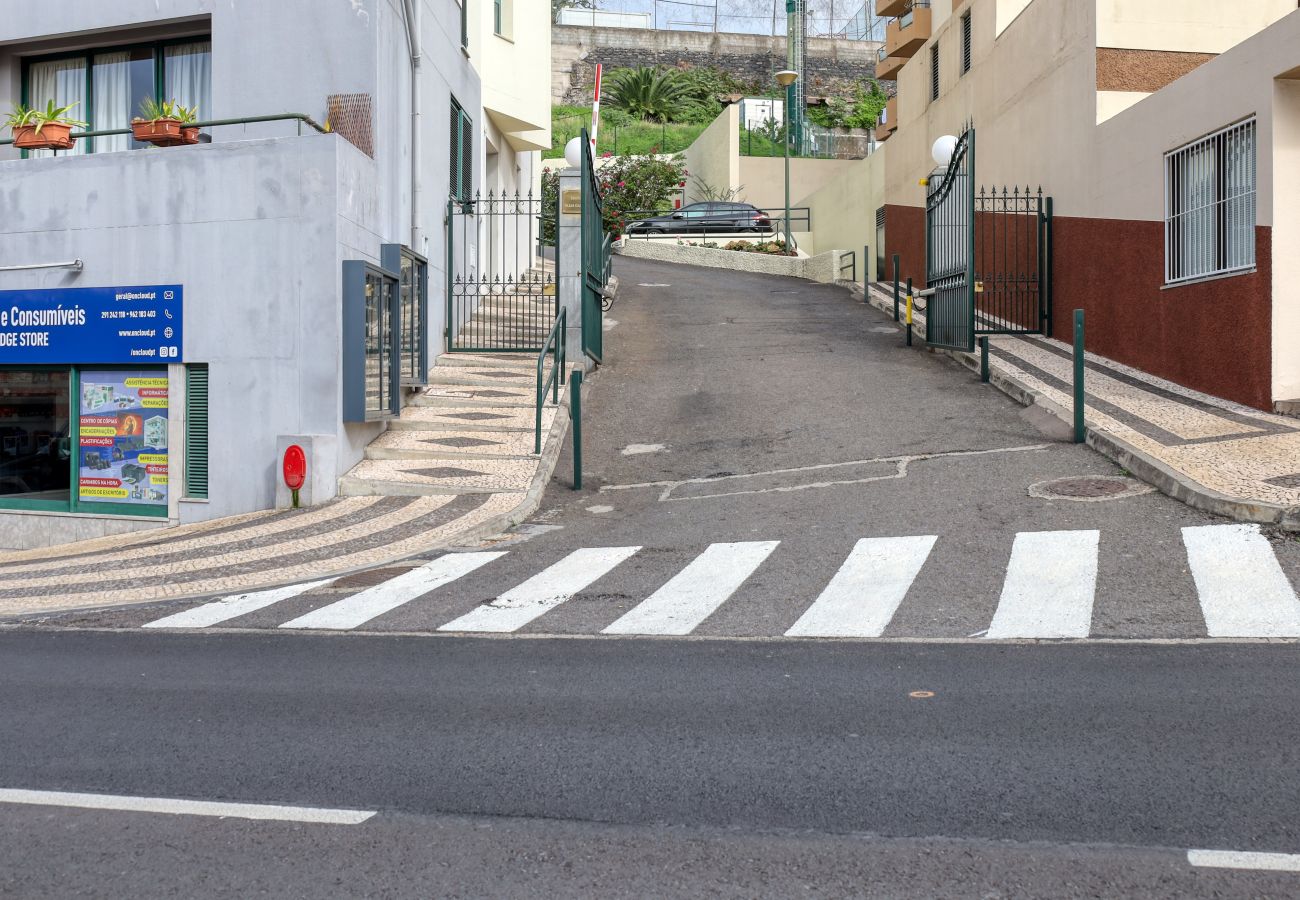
(595, 111)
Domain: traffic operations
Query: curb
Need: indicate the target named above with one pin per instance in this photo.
(1142, 465)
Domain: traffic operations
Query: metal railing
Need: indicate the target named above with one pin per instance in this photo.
(851, 267)
(555, 345)
(301, 118)
(800, 220)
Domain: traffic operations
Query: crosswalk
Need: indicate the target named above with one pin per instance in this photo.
(1048, 591)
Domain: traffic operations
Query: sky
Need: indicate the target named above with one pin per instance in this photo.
(751, 16)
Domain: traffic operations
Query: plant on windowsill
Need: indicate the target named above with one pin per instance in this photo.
(47, 129)
(165, 123)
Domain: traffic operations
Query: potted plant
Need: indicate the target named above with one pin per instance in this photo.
(47, 129)
(157, 124)
(188, 116)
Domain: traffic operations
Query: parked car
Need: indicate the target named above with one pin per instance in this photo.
(711, 216)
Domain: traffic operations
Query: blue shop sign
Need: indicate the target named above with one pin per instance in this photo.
(91, 325)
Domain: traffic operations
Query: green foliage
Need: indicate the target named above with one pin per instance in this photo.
(762, 141)
(861, 110)
(152, 110)
(772, 248)
(650, 94)
(620, 133)
(23, 116)
(637, 184)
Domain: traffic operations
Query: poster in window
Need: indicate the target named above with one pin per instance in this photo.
(123, 442)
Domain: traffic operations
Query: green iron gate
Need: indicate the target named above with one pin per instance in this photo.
(950, 251)
(596, 256)
(988, 257)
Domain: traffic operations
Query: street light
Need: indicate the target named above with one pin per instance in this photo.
(785, 78)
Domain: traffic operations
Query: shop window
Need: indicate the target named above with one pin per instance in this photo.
(196, 432)
(412, 314)
(109, 84)
(35, 438)
(1210, 205)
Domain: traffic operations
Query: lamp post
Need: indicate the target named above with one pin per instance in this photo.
(785, 78)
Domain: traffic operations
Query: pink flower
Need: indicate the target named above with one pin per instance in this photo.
(606, 155)
(622, 184)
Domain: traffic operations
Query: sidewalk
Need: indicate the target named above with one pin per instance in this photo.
(457, 466)
(1212, 454)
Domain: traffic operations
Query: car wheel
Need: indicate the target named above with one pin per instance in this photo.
(654, 231)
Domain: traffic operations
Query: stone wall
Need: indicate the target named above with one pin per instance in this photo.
(575, 51)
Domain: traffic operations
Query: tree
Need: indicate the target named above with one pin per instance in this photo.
(650, 94)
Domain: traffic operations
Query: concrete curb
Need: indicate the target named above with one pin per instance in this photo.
(1142, 465)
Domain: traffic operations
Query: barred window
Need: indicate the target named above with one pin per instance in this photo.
(1210, 205)
(965, 43)
(934, 72)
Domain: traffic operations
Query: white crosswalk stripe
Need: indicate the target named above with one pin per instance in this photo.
(398, 591)
(1049, 588)
(1048, 591)
(865, 593)
(228, 608)
(696, 591)
(543, 592)
(1242, 589)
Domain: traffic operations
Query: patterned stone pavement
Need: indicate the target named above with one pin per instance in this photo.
(1219, 455)
(459, 462)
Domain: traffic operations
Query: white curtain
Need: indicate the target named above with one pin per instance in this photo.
(187, 76)
(64, 82)
(112, 91)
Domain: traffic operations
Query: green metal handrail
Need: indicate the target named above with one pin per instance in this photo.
(555, 344)
(301, 119)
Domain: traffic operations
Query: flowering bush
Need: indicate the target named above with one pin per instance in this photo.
(630, 184)
(775, 247)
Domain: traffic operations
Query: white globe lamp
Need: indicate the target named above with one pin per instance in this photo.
(943, 150)
(573, 152)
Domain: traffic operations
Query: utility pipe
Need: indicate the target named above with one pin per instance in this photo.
(74, 264)
(412, 9)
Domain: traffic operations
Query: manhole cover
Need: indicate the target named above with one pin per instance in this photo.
(1089, 488)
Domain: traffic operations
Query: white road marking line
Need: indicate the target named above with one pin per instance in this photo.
(310, 814)
(865, 593)
(693, 594)
(397, 591)
(1242, 589)
(1234, 859)
(543, 592)
(232, 607)
(1050, 585)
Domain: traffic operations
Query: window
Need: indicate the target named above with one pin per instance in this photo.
(411, 317)
(965, 43)
(934, 72)
(1210, 205)
(464, 24)
(108, 85)
(462, 154)
(196, 431)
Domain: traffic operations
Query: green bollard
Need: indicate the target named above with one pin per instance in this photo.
(1080, 429)
(575, 412)
(984, 360)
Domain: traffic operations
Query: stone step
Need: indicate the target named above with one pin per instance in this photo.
(434, 445)
(486, 360)
(458, 396)
(467, 378)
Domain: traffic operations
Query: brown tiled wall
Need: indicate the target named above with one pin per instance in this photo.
(1146, 71)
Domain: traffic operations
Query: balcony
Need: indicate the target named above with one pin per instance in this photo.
(887, 66)
(888, 9)
(909, 32)
(888, 120)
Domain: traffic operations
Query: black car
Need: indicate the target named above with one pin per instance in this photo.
(711, 216)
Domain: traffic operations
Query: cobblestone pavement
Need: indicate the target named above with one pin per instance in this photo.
(459, 460)
(1221, 454)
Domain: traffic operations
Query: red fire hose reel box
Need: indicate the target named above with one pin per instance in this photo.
(295, 470)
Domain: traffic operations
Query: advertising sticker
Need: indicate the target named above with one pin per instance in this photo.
(124, 437)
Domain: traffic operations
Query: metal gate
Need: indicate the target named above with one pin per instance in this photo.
(597, 251)
(501, 291)
(950, 251)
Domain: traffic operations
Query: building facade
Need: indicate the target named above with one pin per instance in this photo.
(175, 315)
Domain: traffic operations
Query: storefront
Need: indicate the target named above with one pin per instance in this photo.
(86, 415)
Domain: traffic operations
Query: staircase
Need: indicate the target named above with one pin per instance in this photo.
(510, 314)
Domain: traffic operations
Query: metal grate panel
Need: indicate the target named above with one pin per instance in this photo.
(196, 431)
(351, 117)
(1210, 205)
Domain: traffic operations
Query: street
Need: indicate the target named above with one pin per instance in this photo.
(811, 626)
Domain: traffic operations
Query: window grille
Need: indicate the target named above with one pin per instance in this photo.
(965, 43)
(196, 431)
(1210, 205)
(934, 72)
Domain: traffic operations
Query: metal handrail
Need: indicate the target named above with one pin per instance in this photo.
(555, 344)
(852, 264)
(301, 119)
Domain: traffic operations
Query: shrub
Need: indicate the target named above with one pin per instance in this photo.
(773, 248)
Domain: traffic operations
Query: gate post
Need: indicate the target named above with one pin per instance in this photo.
(568, 259)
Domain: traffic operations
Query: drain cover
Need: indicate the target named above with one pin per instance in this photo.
(1089, 488)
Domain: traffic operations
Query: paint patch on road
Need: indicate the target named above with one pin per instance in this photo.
(600, 510)
(638, 449)
(1233, 859)
(652, 284)
(609, 324)
(118, 803)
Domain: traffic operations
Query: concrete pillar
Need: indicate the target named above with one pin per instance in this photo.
(568, 274)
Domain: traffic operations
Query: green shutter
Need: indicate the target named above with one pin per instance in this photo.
(196, 431)
(466, 157)
(454, 145)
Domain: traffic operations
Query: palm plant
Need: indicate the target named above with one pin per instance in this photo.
(648, 93)
(24, 116)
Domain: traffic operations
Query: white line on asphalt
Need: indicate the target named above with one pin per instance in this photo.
(1050, 585)
(865, 593)
(398, 591)
(1234, 859)
(696, 591)
(228, 608)
(544, 591)
(187, 807)
(1242, 589)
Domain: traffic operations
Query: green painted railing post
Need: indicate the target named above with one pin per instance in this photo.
(895, 287)
(866, 272)
(575, 411)
(1080, 429)
(984, 359)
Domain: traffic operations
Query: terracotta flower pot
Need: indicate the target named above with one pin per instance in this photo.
(189, 134)
(53, 136)
(160, 132)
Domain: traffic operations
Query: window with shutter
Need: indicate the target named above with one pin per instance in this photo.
(934, 72)
(196, 431)
(965, 43)
(461, 140)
